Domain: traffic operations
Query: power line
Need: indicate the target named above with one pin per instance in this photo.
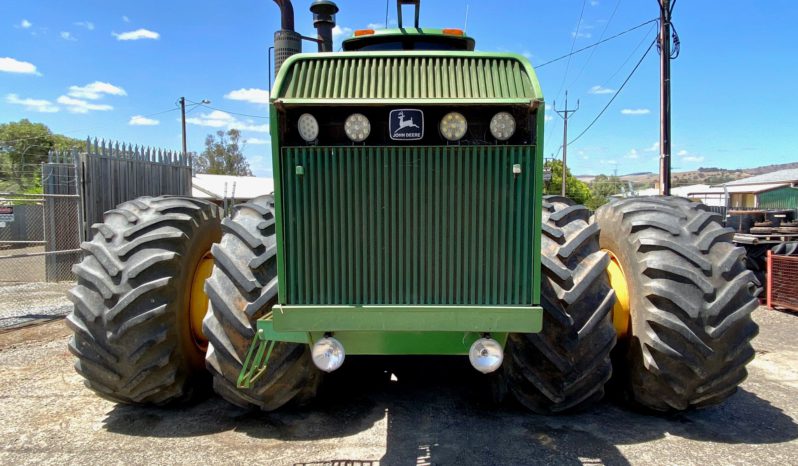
(87, 129)
(593, 50)
(573, 43)
(616, 94)
(597, 43)
(228, 111)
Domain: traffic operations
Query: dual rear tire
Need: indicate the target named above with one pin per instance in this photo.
(686, 340)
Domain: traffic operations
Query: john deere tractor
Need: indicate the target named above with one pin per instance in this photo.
(408, 219)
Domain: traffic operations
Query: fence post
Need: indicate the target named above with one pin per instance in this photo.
(769, 280)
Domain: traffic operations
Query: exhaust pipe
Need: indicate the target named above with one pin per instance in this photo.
(324, 21)
(287, 41)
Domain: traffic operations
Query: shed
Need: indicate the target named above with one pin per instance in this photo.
(237, 188)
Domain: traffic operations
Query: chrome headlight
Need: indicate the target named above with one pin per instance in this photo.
(453, 126)
(357, 127)
(308, 127)
(502, 126)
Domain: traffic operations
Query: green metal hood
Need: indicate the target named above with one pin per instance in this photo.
(420, 77)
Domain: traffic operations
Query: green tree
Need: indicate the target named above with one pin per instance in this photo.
(575, 189)
(23, 148)
(222, 155)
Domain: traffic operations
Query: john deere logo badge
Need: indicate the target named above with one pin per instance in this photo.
(406, 124)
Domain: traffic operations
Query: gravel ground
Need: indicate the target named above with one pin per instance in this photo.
(25, 303)
(433, 413)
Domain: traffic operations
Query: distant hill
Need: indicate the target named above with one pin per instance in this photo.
(703, 175)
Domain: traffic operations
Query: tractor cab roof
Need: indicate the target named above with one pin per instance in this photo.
(396, 39)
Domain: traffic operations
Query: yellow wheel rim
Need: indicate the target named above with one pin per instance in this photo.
(621, 311)
(198, 304)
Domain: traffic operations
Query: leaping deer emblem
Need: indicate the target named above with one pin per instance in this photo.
(404, 123)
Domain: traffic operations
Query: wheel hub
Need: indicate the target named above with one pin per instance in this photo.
(198, 304)
(621, 311)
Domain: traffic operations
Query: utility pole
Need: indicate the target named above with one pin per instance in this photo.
(564, 115)
(183, 113)
(665, 98)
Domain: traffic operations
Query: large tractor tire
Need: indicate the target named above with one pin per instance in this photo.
(566, 366)
(685, 302)
(241, 289)
(137, 317)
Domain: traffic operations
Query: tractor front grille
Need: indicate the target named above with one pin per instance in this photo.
(408, 225)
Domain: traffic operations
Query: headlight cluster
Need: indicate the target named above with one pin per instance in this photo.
(453, 127)
(357, 127)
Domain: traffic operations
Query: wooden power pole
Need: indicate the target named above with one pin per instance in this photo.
(564, 115)
(665, 98)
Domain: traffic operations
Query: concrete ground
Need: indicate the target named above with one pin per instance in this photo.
(434, 413)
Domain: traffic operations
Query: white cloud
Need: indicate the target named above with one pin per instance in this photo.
(138, 120)
(257, 141)
(68, 36)
(598, 90)
(527, 54)
(81, 106)
(633, 154)
(33, 105)
(137, 34)
(219, 119)
(85, 24)
(549, 118)
(95, 90)
(25, 24)
(654, 147)
(682, 153)
(126, 19)
(10, 65)
(594, 2)
(252, 95)
(375, 26)
(635, 111)
(693, 158)
(581, 35)
(339, 31)
(609, 162)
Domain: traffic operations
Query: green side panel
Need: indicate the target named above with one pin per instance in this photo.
(446, 225)
(782, 198)
(408, 343)
(407, 318)
(368, 78)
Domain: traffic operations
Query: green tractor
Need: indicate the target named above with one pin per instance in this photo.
(408, 219)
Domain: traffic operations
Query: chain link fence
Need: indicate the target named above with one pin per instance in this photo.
(39, 242)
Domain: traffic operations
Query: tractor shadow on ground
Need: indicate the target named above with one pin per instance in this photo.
(437, 410)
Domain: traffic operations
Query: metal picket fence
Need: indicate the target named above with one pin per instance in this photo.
(782, 289)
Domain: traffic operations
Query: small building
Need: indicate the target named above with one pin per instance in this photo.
(774, 190)
(709, 195)
(237, 189)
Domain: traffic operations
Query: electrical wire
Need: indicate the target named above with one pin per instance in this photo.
(228, 111)
(573, 43)
(597, 43)
(614, 95)
(593, 50)
(88, 129)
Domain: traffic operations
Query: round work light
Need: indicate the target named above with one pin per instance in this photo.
(357, 127)
(328, 354)
(308, 127)
(486, 355)
(453, 126)
(502, 126)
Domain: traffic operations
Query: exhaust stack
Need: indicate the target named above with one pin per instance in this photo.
(287, 41)
(324, 21)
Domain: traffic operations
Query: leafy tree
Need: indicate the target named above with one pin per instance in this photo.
(23, 148)
(575, 189)
(222, 155)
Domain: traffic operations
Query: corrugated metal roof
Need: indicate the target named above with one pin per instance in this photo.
(781, 176)
(332, 78)
(206, 186)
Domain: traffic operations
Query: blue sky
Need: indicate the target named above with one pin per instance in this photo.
(108, 69)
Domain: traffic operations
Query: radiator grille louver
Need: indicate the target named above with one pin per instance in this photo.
(408, 225)
(411, 77)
